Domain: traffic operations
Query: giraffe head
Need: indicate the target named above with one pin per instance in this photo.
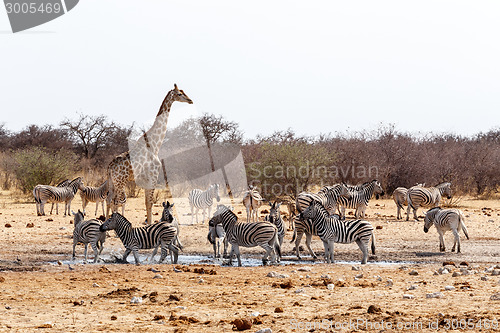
(180, 96)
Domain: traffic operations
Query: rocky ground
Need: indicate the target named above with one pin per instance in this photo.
(409, 285)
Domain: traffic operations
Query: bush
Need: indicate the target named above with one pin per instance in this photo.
(39, 165)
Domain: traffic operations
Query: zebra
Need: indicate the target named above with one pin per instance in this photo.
(146, 237)
(332, 230)
(202, 200)
(46, 193)
(328, 196)
(88, 232)
(399, 196)
(249, 234)
(274, 217)
(360, 196)
(61, 184)
(444, 220)
(215, 236)
(94, 194)
(169, 218)
(252, 200)
(418, 196)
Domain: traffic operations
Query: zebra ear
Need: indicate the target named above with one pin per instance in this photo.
(270, 204)
(172, 205)
(164, 204)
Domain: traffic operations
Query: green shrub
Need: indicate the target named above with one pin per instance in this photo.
(38, 165)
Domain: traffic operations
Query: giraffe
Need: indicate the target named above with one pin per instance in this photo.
(141, 162)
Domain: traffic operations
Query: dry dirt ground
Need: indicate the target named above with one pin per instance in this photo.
(41, 292)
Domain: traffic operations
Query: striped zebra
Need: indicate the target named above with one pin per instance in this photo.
(146, 237)
(215, 236)
(202, 200)
(248, 234)
(328, 196)
(399, 196)
(332, 230)
(252, 200)
(168, 217)
(61, 184)
(88, 232)
(274, 217)
(46, 193)
(418, 196)
(94, 194)
(444, 220)
(360, 196)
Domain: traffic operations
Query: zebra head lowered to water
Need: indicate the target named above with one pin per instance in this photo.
(146, 237)
(331, 230)
(247, 234)
(444, 220)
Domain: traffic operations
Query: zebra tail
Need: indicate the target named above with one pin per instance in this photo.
(410, 203)
(36, 195)
(276, 245)
(373, 243)
(209, 237)
(179, 244)
(462, 222)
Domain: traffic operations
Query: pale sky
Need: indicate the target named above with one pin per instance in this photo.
(314, 66)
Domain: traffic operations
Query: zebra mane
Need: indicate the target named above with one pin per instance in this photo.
(433, 209)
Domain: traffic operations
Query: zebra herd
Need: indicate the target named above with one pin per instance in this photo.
(316, 216)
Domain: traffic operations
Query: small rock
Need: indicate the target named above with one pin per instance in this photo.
(151, 269)
(113, 317)
(95, 285)
(408, 296)
(136, 300)
(389, 283)
(273, 274)
(265, 330)
(412, 287)
(201, 280)
(30, 225)
(495, 272)
(59, 262)
(330, 286)
(443, 270)
(326, 276)
(7, 307)
(177, 270)
(464, 263)
(255, 314)
(449, 288)
(378, 227)
(304, 269)
(359, 276)
(158, 276)
(158, 317)
(298, 291)
(180, 307)
(308, 276)
(413, 272)
(61, 228)
(279, 309)
(355, 268)
(484, 278)
(495, 297)
(437, 294)
(46, 325)
(242, 324)
(449, 263)
(173, 297)
(8, 225)
(455, 274)
(374, 309)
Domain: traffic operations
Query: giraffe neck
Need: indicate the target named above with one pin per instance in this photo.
(156, 134)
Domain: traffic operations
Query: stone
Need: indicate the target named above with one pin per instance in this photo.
(298, 291)
(355, 268)
(495, 272)
(437, 294)
(374, 309)
(330, 286)
(413, 272)
(484, 278)
(408, 296)
(278, 309)
(273, 274)
(158, 276)
(359, 276)
(443, 270)
(449, 288)
(389, 283)
(242, 324)
(255, 314)
(412, 287)
(265, 330)
(136, 300)
(455, 274)
(495, 297)
(95, 285)
(304, 269)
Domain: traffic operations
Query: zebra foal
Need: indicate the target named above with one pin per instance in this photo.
(252, 200)
(215, 236)
(147, 237)
(274, 217)
(54, 194)
(247, 234)
(168, 217)
(94, 194)
(445, 220)
(202, 200)
(88, 232)
(331, 230)
(418, 196)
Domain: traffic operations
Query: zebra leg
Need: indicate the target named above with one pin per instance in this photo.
(103, 212)
(269, 251)
(96, 251)
(399, 217)
(175, 251)
(51, 208)
(248, 214)
(125, 254)
(457, 241)
(197, 209)
(415, 213)
(74, 246)
(236, 250)
(203, 213)
(84, 205)
(328, 257)
(308, 244)
(192, 213)
(297, 242)
(342, 213)
(225, 242)
(155, 250)
(408, 213)
(231, 254)
(85, 253)
(442, 247)
(364, 249)
(136, 257)
(96, 207)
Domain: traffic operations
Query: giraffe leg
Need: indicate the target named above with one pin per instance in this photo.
(149, 194)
